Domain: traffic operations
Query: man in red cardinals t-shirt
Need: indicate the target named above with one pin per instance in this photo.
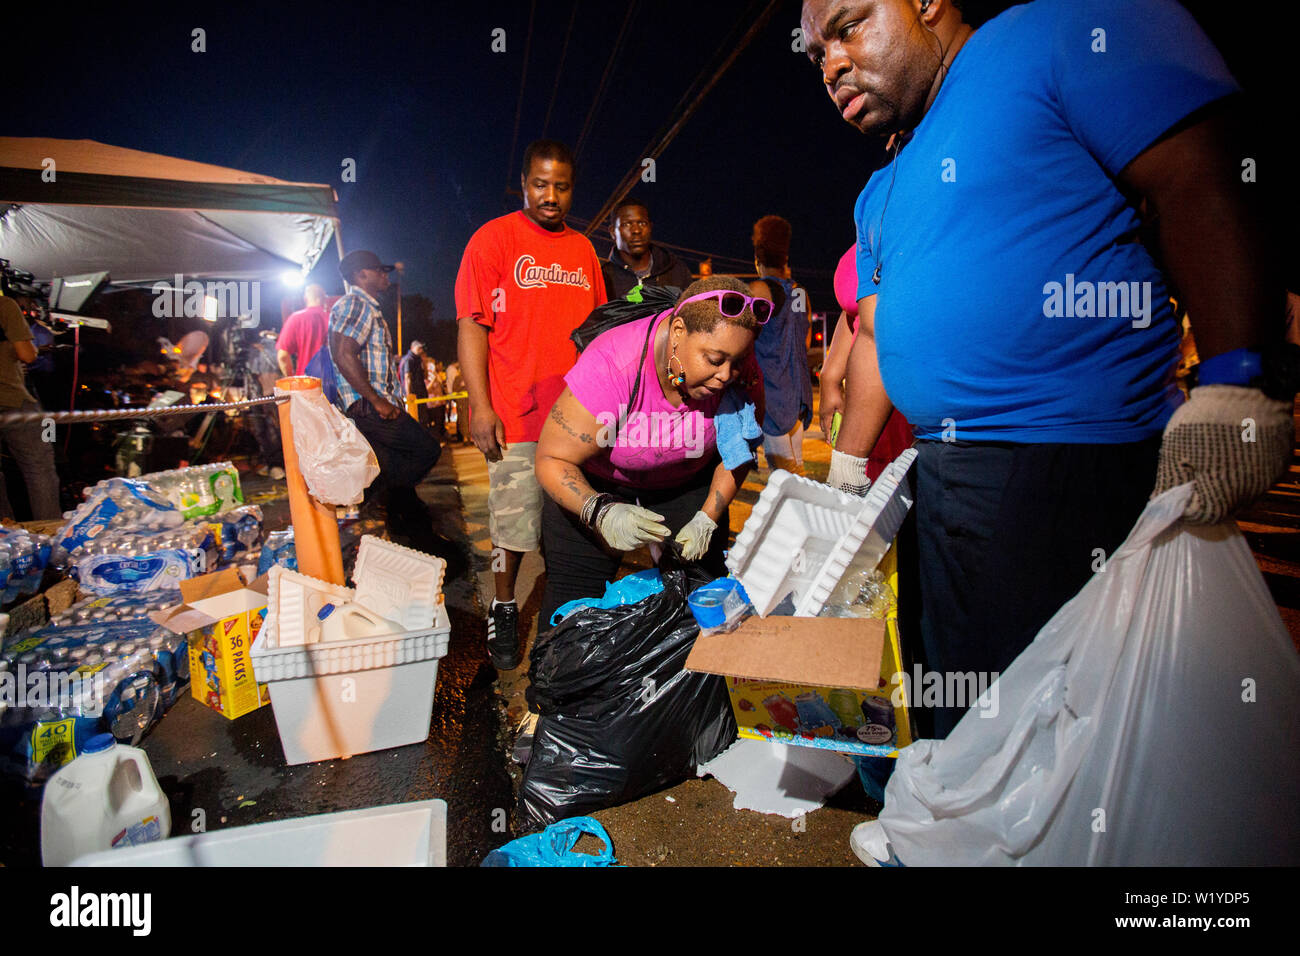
(526, 281)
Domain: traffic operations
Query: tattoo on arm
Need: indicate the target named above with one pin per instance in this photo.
(577, 486)
(557, 416)
(720, 502)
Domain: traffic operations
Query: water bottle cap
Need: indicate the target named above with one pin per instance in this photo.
(99, 743)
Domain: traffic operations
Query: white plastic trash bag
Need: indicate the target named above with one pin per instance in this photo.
(336, 461)
(1154, 721)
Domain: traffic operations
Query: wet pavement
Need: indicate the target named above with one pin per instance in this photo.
(222, 773)
(234, 771)
(693, 823)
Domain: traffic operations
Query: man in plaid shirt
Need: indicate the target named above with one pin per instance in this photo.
(362, 351)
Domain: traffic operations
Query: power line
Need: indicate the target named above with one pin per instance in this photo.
(604, 79)
(519, 104)
(660, 143)
(559, 70)
(702, 254)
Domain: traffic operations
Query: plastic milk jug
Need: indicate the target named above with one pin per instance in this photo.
(344, 622)
(107, 797)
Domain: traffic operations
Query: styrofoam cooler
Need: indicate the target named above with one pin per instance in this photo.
(803, 537)
(349, 697)
(399, 834)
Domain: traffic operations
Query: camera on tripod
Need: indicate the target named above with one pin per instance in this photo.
(61, 301)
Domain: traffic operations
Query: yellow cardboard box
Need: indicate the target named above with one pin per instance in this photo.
(221, 617)
(814, 681)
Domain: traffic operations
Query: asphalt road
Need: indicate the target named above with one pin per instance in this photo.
(234, 770)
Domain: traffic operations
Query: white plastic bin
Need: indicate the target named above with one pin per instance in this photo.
(399, 834)
(342, 698)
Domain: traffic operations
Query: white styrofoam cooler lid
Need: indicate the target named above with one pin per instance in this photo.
(398, 834)
(803, 537)
(294, 598)
(397, 582)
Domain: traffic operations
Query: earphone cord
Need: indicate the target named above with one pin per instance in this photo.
(880, 227)
(898, 142)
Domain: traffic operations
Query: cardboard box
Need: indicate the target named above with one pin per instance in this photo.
(813, 681)
(221, 617)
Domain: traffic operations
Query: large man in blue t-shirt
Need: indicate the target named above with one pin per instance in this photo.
(1011, 312)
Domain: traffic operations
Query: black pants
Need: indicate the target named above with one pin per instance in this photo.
(405, 450)
(578, 563)
(1003, 536)
(264, 422)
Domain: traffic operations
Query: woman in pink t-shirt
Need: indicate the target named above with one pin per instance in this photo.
(629, 453)
(897, 434)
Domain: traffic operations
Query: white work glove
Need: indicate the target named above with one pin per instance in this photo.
(625, 526)
(695, 535)
(1233, 442)
(848, 474)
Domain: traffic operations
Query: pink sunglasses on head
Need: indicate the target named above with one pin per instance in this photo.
(733, 304)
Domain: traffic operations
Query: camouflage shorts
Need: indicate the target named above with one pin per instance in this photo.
(515, 499)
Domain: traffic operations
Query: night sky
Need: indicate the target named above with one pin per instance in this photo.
(427, 110)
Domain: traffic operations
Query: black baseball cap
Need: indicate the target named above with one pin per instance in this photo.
(354, 262)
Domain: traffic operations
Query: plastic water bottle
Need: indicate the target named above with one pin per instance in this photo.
(5, 574)
(106, 798)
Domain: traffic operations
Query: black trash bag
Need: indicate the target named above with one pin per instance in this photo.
(619, 717)
(616, 312)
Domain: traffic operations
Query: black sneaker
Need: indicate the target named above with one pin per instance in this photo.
(503, 636)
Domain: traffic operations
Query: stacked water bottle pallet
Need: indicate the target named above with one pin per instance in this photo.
(102, 666)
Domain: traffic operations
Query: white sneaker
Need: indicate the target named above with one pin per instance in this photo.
(871, 845)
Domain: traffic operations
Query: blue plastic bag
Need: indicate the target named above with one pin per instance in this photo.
(554, 847)
(626, 590)
(322, 366)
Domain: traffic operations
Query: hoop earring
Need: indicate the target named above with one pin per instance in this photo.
(677, 379)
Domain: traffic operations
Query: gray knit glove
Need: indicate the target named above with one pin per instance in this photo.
(1233, 441)
(848, 474)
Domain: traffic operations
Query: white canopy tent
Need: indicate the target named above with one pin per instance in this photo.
(77, 206)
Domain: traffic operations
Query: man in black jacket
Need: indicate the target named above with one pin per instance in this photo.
(635, 259)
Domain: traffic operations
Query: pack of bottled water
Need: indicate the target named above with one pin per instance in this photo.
(113, 505)
(23, 557)
(199, 490)
(236, 531)
(278, 550)
(122, 561)
(71, 681)
(99, 610)
(162, 499)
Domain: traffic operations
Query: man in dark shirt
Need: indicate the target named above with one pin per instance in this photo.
(26, 442)
(635, 260)
(411, 372)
